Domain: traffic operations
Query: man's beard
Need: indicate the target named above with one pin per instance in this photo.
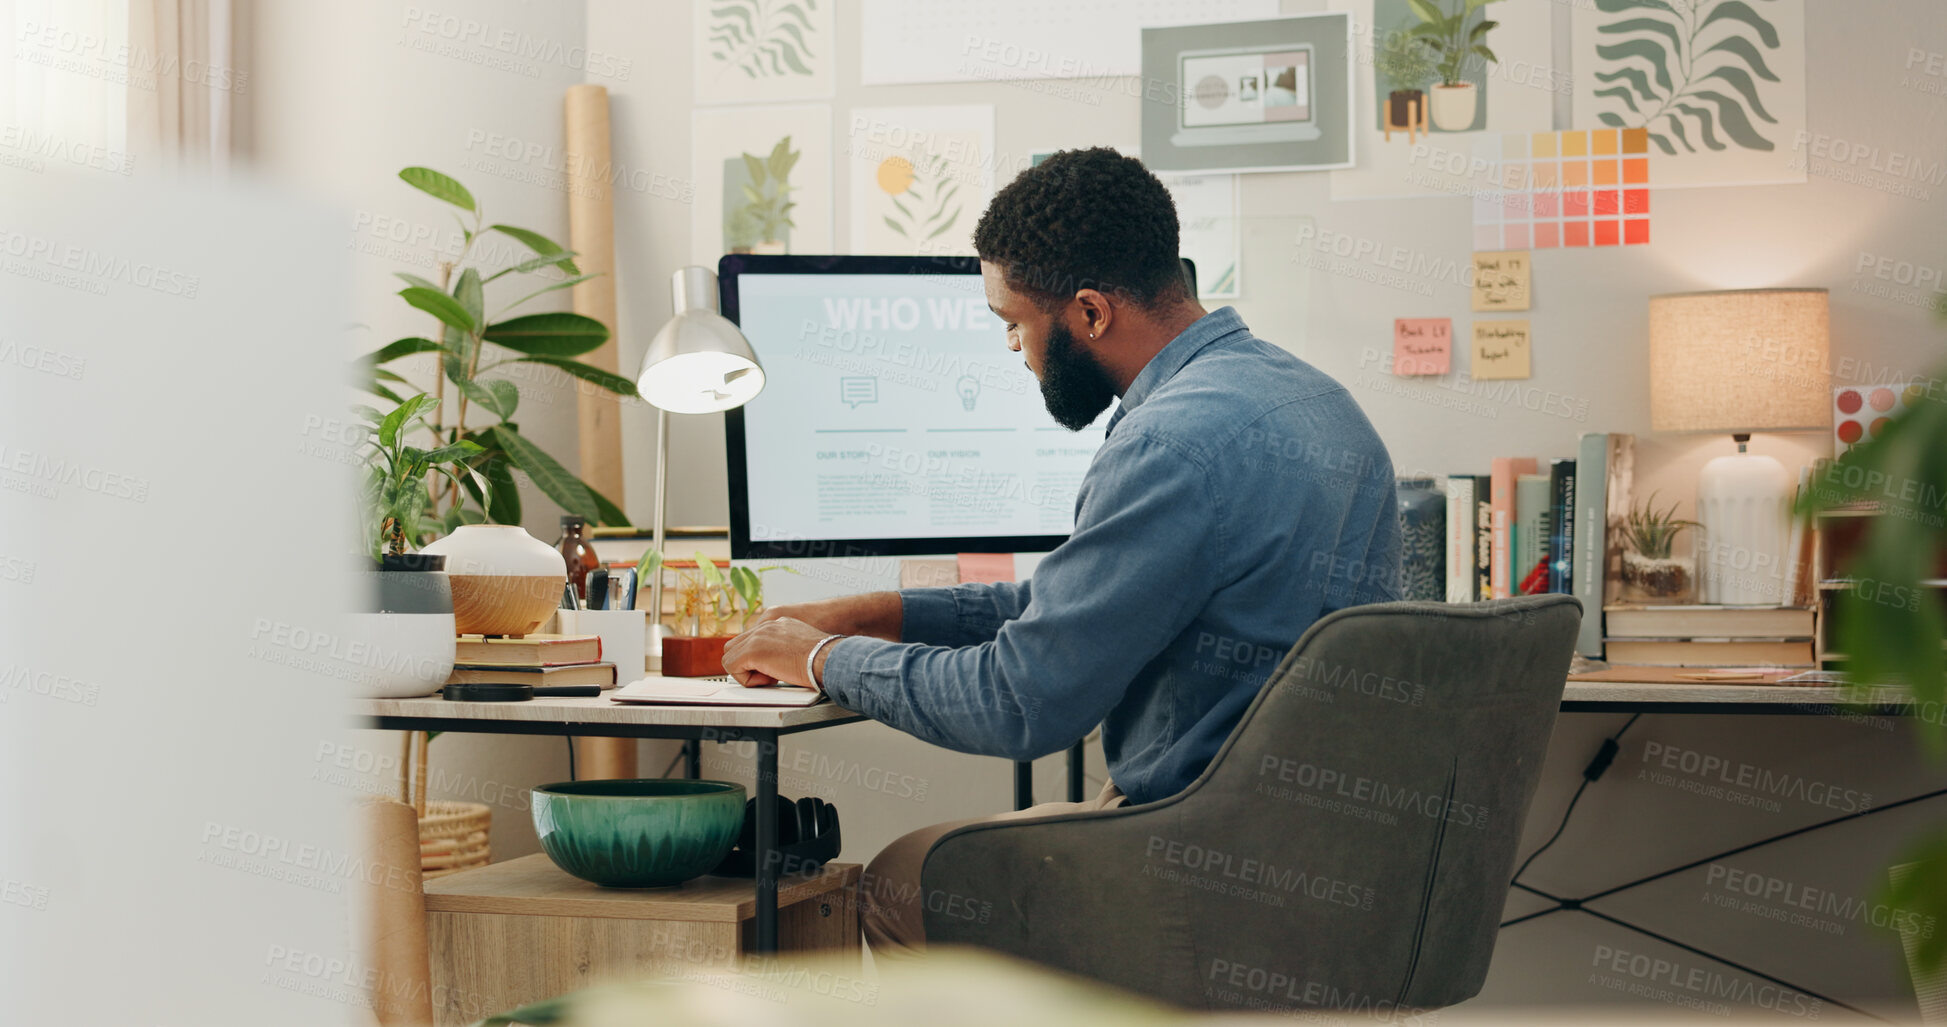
(1073, 385)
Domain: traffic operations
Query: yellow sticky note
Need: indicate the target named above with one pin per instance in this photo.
(1502, 280)
(1500, 350)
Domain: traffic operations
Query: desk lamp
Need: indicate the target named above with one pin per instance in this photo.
(699, 363)
(1741, 362)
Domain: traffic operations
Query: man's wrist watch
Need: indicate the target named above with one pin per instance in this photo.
(811, 658)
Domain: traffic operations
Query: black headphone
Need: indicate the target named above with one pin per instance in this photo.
(807, 838)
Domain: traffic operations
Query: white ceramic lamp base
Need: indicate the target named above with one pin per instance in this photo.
(1743, 503)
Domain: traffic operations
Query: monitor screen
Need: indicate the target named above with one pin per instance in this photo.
(894, 419)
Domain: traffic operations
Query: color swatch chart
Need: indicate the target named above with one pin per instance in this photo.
(1860, 412)
(1589, 187)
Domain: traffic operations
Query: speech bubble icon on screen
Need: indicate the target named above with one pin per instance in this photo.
(857, 391)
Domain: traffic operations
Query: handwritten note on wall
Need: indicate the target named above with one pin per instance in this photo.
(1501, 281)
(1500, 349)
(1422, 345)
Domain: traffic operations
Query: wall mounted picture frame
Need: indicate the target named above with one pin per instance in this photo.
(1245, 96)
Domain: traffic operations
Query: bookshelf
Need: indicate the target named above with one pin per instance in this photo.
(1836, 535)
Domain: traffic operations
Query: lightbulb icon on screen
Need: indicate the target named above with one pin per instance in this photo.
(969, 389)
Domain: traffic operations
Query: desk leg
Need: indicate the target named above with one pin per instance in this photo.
(693, 758)
(1023, 784)
(1076, 756)
(768, 856)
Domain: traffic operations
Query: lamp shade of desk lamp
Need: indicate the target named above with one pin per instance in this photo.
(1737, 363)
(699, 363)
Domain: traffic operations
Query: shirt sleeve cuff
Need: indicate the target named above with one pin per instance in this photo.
(928, 615)
(843, 676)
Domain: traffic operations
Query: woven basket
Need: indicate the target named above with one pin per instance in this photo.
(453, 837)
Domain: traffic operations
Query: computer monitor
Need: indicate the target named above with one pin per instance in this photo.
(894, 420)
(1245, 94)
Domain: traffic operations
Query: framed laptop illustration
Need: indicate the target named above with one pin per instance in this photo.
(1258, 94)
(1269, 95)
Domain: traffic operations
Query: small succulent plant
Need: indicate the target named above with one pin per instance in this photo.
(1649, 532)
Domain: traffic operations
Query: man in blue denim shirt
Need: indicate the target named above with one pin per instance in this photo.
(1240, 495)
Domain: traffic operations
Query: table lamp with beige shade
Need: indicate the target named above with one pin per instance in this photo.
(1740, 362)
(699, 363)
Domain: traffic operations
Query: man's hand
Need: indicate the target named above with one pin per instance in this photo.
(773, 651)
(874, 614)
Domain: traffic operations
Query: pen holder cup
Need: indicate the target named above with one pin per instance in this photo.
(623, 635)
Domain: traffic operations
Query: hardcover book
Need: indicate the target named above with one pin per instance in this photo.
(1501, 575)
(1461, 581)
(1590, 562)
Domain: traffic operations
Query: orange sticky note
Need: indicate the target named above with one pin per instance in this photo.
(1422, 345)
(986, 567)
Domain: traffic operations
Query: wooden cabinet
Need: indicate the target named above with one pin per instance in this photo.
(517, 932)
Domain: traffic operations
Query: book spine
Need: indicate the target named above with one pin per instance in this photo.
(1501, 566)
(1460, 539)
(1591, 525)
(1530, 537)
(1483, 538)
(1561, 525)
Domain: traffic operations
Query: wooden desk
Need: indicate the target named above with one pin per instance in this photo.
(602, 717)
(1718, 697)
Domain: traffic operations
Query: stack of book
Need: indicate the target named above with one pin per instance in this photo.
(1524, 529)
(540, 660)
(1709, 636)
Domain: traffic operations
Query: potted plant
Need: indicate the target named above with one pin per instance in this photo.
(1650, 573)
(707, 614)
(1454, 40)
(407, 621)
(766, 212)
(1404, 63)
(503, 580)
(481, 375)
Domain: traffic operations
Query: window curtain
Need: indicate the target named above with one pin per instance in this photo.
(183, 114)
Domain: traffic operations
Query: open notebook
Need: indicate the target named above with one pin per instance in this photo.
(716, 691)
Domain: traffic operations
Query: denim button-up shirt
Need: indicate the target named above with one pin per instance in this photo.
(1240, 495)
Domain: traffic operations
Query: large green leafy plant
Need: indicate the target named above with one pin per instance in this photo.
(1890, 626)
(1455, 39)
(475, 462)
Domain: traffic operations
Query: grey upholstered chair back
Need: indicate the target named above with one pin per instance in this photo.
(1349, 847)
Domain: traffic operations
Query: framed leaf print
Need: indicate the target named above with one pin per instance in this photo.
(1718, 84)
(758, 51)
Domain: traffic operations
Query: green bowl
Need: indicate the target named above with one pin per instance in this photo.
(649, 833)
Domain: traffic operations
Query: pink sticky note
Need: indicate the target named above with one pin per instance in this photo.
(986, 567)
(1422, 345)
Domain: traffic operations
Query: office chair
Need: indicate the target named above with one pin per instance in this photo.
(1349, 847)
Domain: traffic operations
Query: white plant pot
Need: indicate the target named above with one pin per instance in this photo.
(400, 645)
(505, 581)
(404, 655)
(1453, 107)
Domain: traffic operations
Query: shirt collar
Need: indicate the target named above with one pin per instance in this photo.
(1170, 359)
